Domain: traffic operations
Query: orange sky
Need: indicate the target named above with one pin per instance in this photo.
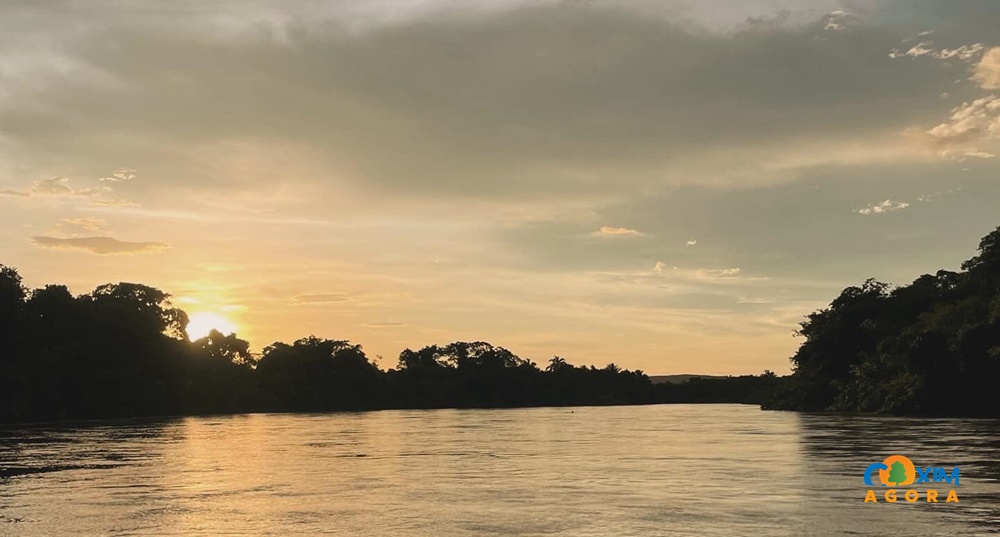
(668, 186)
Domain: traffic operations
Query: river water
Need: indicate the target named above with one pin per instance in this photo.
(717, 470)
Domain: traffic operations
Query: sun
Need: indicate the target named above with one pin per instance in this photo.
(202, 323)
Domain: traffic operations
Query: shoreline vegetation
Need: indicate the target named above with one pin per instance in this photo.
(122, 351)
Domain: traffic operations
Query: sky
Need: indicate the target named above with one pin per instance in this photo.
(670, 186)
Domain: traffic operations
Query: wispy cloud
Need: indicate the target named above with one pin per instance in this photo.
(383, 325)
(122, 175)
(113, 202)
(55, 186)
(699, 273)
(719, 273)
(84, 223)
(753, 300)
(321, 298)
(964, 53)
(98, 245)
(886, 206)
(611, 231)
(61, 187)
(938, 196)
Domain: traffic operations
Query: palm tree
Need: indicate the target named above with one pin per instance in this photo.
(556, 364)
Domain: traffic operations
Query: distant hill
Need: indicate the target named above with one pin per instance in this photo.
(678, 379)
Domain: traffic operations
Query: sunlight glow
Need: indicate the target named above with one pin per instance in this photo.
(201, 324)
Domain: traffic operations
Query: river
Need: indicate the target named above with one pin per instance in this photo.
(714, 470)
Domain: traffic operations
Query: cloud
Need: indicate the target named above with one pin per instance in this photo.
(98, 245)
(970, 124)
(55, 186)
(113, 202)
(383, 325)
(323, 298)
(753, 300)
(84, 223)
(122, 175)
(575, 101)
(987, 72)
(838, 21)
(938, 196)
(973, 122)
(965, 53)
(15, 193)
(886, 206)
(610, 231)
(691, 243)
(698, 274)
(974, 153)
(61, 187)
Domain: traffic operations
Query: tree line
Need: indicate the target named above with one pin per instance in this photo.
(930, 347)
(122, 351)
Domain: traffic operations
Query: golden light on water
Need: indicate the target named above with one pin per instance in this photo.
(202, 323)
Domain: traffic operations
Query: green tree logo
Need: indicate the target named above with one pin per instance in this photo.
(897, 474)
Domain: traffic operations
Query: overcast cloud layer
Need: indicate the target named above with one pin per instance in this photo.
(670, 186)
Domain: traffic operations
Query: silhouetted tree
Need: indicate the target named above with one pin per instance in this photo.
(13, 382)
(319, 374)
(12, 295)
(929, 347)
(219, 375)
(556, 364)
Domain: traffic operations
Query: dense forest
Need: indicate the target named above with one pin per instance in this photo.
(931, 347)
(123, 351)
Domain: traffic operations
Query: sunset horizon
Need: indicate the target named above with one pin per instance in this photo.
(467, 268)
(228, 319)
(669, 186)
